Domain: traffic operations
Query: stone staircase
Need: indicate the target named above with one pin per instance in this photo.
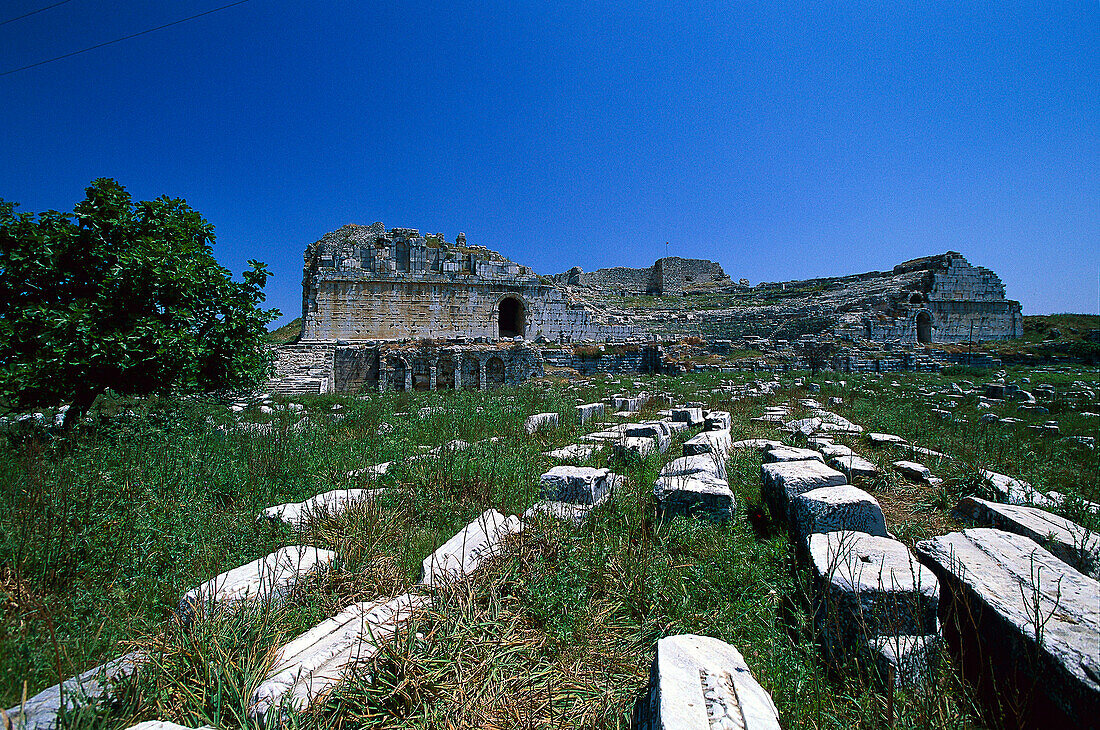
(302, 369)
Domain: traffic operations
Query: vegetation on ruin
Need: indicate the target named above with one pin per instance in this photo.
(122, 296)
(288, 334)
(100, 539)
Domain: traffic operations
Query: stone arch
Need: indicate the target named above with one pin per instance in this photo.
(421, 375)
(445, 373)
(916, 298)
(511, 317)
(924, 327)
(494, 372)
(471, 374)
(398, 368)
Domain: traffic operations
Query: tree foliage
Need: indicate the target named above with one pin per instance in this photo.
(122, 296)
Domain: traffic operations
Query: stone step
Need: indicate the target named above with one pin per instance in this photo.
(271, 578)
(306, 668)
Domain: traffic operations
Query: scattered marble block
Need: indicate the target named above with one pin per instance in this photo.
(627, 404)
(717, 421)
(329, 504)
(466, 551)
(1011, 605)
(615, 433)
(635, 447)
(709, 442)
(855, 466)
(691, 416)
(306, 668)
(700, 683)
(43, 711)
(693, 465)
(1065, 539)
(883, 439)
(832, 509)
(1015, 491)
(785, 480)
(588, 411)
(790, 453)
(376, 470)
(756, 444)
(910, 660)
(921, 451)
(835, 451)
(659, 431)
(701, 494)
(569, 511)
(540, 422)
(913, 470)
(574, 452)
(271, 578)
(578, 484)
(867, 586)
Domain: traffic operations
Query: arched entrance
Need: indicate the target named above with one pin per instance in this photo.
(511, 317)
(421, 375)
(924, 327)
(398, 368)
(494, 372)
(471, 374)
(445, 373)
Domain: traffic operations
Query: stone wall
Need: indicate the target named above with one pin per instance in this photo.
(380, 366)
(670, 276)
(364, 283)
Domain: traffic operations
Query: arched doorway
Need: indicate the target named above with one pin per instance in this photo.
(471, 374)
(511, 317)
(494, 372)
(398, 368)
(924, 327)
(421, 375)
(445, 373)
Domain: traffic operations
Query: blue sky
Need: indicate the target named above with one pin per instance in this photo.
(782, 140)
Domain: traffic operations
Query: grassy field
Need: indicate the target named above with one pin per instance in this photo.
(101, 537)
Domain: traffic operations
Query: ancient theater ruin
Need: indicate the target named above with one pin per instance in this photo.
(395, 309)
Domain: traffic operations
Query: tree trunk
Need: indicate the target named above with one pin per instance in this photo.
(79, 407)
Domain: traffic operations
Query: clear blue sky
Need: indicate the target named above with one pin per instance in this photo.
(784, 141)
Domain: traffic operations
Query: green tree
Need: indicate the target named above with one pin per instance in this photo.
(122, 296)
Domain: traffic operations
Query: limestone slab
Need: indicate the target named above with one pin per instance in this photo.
(1015, 491)
(466, 551)
(718, 443)
(717, 421)
(831, 509)
(574, 452)
(271, 578)
(700, 494)
(701, 683)
(855, 466)
(691, 416)
(307, 667)
(755, 444)
(790, 453)
(1064, 538)
(699, 464)
(330, 504)
(1011, 605)
(540, 421)
(785, 480)
(578, 484)
(43, 711)
(913, 470)
(867, 586)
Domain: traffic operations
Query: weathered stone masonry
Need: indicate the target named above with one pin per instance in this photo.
(365, 283)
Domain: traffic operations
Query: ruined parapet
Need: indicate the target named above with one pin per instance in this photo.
(669, 276)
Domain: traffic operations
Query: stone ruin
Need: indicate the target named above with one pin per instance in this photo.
(375, 301)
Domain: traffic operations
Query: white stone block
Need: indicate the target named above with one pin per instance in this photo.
(271, 578)
(466, 551)
(307, 667)
(701, 683)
